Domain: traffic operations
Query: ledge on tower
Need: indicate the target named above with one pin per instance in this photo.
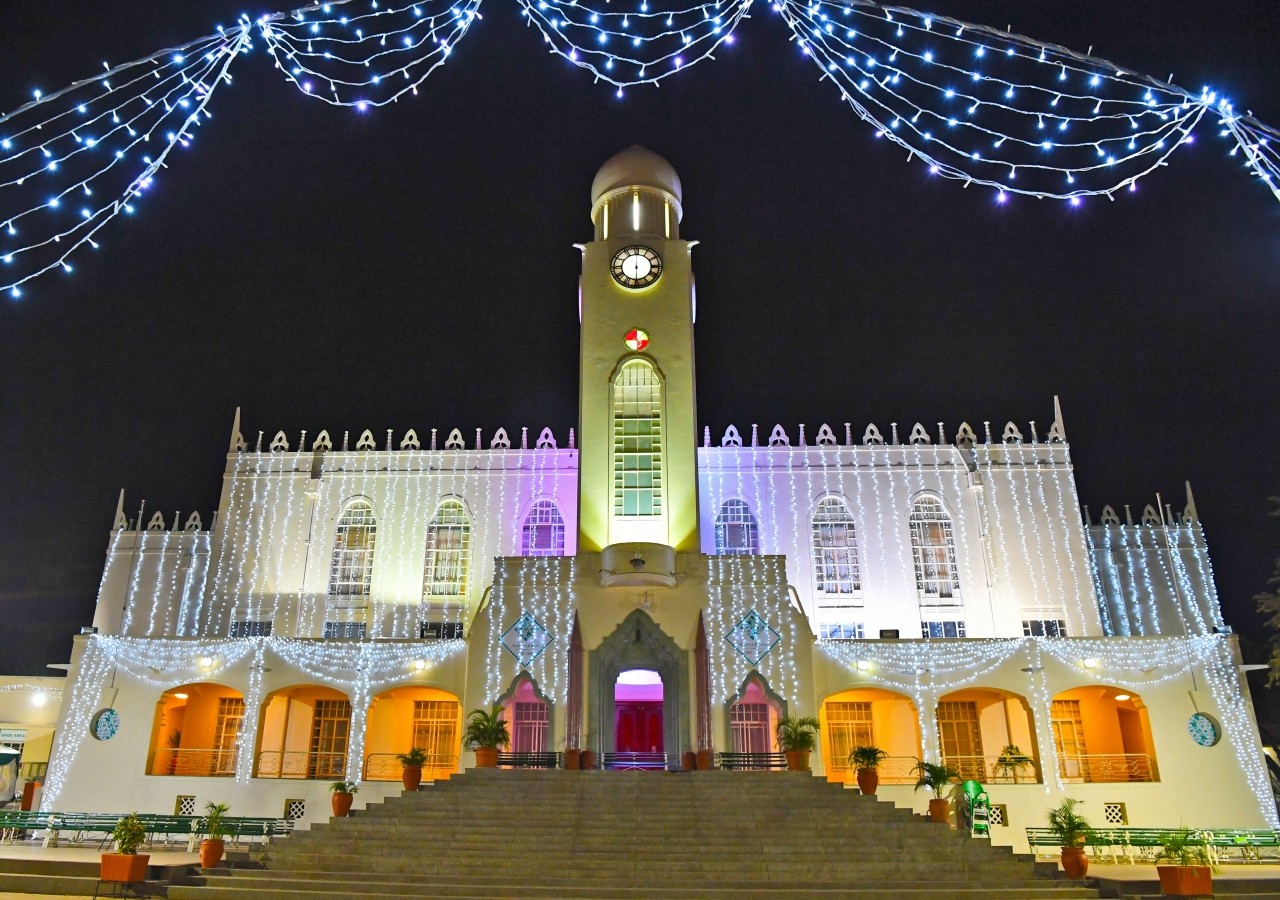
(637, 564)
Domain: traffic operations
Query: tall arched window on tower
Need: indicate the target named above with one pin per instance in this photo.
(444, 577)
(637, 441)
(935, 553)
(351, 571)
(737, 533)
(543, 532)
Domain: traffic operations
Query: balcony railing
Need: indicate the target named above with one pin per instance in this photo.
(989, 770)
(894, 770)
(385, 767)
(1100, 768)
(197, 762)
(301, 764)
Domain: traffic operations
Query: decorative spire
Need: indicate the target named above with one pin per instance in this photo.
(237, 439)
(1190, 513)
(1058, 431)
(122, 521)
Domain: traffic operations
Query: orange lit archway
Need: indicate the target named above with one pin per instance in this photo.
(196, 731)
(412, 717)
(871, 717)
(1102, 734)
(989, 735)
(304, 732)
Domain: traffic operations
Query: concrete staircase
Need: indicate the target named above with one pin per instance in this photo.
(634, 836)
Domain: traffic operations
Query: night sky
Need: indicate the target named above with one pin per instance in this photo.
(412, 267)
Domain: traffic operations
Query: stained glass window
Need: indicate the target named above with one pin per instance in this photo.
(448, 552)
(934, 551)
(737, 533)
(543, 532)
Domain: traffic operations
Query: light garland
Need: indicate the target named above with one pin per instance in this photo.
(972, 103)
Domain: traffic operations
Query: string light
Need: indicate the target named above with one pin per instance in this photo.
(1025, 118)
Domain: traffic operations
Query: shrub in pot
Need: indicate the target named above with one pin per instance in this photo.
(571, 758)
(215, 826)
(797, 736)
(866, 760)
(486, 732)
(1073, 831)
(126, 865)
(1012, 762)
(936, 777)
(1190, 872)
(413, 761)
(344, 794)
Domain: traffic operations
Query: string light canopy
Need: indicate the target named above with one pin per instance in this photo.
(969, 102)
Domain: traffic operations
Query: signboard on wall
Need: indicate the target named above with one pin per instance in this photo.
(13, 735)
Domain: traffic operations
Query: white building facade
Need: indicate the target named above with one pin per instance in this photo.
(939, 593)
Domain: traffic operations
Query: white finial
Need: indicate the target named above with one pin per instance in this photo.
(848, 434)
(524, 437)
(894, 426)
(433, 439)
(1190, 513)
(706, 435)
(478, 444)
(571, 438)
(755, 435)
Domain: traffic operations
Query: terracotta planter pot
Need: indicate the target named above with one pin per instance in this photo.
(1074, 862)
(705, 759)
(1184, 881)
(486, 757)
(129, 868)
(411, 776)
(572, 758)
(868, 781)
(689, 761)
(210, 853)
(797, 760)
(342, 803)
(587, 760)
(940, 811)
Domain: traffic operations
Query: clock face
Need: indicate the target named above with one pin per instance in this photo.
(1204, 730)
(636, 267)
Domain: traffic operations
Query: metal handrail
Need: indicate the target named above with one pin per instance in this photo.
(1102, 768)
(387, 767)
(301, 764)
(194, 761)
(987, 769)
(626, 760)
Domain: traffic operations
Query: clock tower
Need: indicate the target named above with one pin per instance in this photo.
(637, 417)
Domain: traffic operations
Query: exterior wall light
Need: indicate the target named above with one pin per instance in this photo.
(1122, 696)
(1090, 663)
(206, 662)
(419, 664)
(39, 698)
(864, 665)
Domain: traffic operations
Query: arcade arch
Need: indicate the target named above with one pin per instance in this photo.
(196, 731)
(989, 735)
(1102, 734)
(305, 732)
(871, 717)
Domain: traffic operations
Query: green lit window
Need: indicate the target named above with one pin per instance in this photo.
(637, 441)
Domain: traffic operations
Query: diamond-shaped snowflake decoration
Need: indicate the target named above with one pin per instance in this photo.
(526, 639)
(753, 637)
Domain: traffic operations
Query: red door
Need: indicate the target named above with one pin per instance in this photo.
(638, 727)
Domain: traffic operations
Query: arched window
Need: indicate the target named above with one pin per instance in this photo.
(737, 533)
(448, 552)
(934, 550)
(835, 549)
(352, 566)
(543, 533)
(637, 441)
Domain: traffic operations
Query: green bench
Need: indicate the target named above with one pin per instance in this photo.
(751, 762)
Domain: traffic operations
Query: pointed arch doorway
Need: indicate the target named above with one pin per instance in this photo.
(657, 669)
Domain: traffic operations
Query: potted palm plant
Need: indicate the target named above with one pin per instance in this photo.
(867, 761)
(1190, 873)
(1012, 760)
(344, 794)
(797, 736)
(1072, 831)
(126, 865)
(936, 777)
(413, 761)
(215, 827)
(486, 732)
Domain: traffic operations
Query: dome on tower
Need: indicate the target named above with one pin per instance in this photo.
(635, 166)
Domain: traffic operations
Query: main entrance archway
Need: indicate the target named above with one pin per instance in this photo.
(637, 719)
(639, 644)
